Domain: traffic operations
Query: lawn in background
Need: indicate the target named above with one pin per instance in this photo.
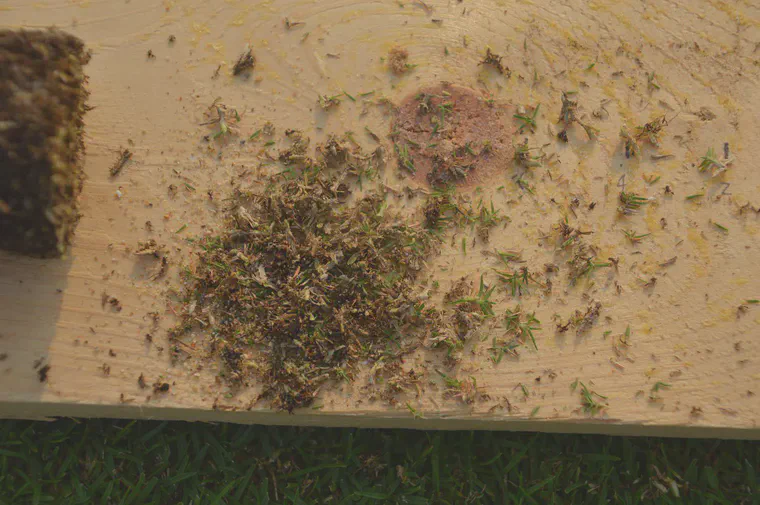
(142, 462)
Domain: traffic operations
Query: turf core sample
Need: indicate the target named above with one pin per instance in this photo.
(42, 101)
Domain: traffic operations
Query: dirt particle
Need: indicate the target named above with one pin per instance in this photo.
(42, 373)
(161, 387)
(150, 248)
(705, 114)
(106, 299)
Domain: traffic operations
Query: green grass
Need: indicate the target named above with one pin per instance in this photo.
(123, 462)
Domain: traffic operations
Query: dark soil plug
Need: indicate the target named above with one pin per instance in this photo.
(42, 102)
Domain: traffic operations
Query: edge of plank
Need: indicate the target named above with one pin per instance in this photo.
(51, 411)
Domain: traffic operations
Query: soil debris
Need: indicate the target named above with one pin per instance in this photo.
(289, 25)
(153, 249)
(106, 299)
(161, 387)
(124, 156)
(150, 248)
(245, 63)
(42, 373)
(447, 135)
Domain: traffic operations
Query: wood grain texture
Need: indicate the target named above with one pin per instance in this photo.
(687, 330)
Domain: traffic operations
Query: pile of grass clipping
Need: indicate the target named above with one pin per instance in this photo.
(42, 102)
(306, 283)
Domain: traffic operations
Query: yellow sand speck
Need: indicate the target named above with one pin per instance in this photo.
(652, 220)
(696, 238)
(216, 46)
(728, 103)
(199, 30)
(239, 19)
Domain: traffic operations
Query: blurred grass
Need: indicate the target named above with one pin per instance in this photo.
(142, 462)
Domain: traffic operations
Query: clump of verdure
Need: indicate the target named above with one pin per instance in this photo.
(582, 321)
(42, 103)
(449, 170)
(569, 115)
(525, 158)
(494, 60)
(439, 209)
(398, 60)
(444, 207)
(630, 203)
(470, 310)
(582, 261)
(652, 130)
(301, 286)
(297, 151)
(629, 143)
(519, 326)
(465, 390)
(245, 63)
(327, 102)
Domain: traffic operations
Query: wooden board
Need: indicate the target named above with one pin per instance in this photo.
(694, 61)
